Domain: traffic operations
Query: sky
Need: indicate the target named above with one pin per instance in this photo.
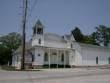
(57, 16)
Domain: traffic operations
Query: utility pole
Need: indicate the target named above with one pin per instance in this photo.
(25, 7)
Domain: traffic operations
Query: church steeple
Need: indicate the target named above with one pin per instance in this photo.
(38, 28)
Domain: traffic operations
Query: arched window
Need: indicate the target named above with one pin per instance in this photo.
(109, 60)
(97, 60)
(71, 45)
(39, 41)
(46, 56)
(62, 57)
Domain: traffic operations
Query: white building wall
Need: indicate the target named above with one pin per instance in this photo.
(39, 56)
(72, 57)
(35, 40)
(77, 60)
(89, 56)
(16, 61)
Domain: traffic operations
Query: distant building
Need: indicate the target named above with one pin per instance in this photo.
(52, 50)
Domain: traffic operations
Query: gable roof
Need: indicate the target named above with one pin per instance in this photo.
(53, 37)
(27, 46)
(39, 23)
(92, 46)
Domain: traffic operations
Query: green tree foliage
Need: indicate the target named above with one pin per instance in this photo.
(102, 35)
(4, 55)
(9, 43)
(88, 39)
(79, 37)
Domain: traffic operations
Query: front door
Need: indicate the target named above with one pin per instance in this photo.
(54, 59)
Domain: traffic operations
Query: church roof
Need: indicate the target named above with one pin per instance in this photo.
(27, 46)
(93, 46)
(38, 23)
(68, 37)
(53, 37)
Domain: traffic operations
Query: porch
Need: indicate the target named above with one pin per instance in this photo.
(56, 58)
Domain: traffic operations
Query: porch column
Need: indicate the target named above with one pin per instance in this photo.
(49, 58)
(64, 59)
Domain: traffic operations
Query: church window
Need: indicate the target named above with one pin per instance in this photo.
(39, 41)
(97, 60)
(46, 56)
(71, 45)
(62, 57)
(33, 57)
(109, 60)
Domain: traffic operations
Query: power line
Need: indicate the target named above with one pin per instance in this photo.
(33, 6)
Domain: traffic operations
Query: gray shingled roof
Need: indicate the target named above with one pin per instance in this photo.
(27, 46)
(68, 37)
(53, 37)
(92, 46)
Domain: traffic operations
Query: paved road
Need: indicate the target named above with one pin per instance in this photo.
(57, 76)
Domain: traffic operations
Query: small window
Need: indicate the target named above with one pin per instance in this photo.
(39, 41)
(38, 54)
(109, 60)
(62, 57)
(97, 60)
(71, 45)
(33, 57)
(46, 56)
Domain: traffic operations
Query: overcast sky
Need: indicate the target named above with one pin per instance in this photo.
(58, 16)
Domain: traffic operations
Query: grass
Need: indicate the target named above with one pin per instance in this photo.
(8, 68)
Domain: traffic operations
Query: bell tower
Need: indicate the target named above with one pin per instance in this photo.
(38, 28)
(38, 37)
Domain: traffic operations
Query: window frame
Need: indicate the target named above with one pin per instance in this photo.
(46, 57)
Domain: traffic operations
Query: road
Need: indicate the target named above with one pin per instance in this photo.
(57, 76)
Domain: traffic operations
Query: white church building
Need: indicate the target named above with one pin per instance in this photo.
(53, 50)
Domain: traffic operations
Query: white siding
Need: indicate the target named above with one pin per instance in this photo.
(77, 54)
(89, 56)
(39, 60)
(16, 61)
(35, 40)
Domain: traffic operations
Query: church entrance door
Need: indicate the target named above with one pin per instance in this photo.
(54, 58)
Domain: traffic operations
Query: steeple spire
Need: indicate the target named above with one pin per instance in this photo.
(38, 28)
(38, 24)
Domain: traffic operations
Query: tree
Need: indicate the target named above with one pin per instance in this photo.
(79, 37)
(102, 35)
(88, 39)
(9, 43)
